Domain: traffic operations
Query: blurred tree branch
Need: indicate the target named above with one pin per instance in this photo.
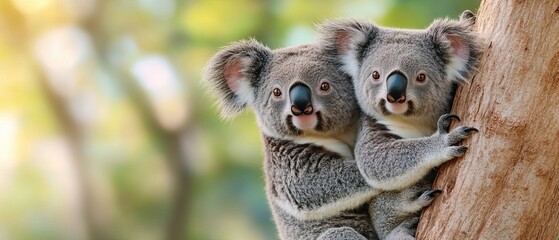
(75, 138)
(70, 129)
(169, 141)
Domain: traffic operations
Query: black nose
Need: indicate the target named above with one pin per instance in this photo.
(300, 97)
(396, 87)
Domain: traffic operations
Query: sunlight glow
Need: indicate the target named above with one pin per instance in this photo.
(163, 89)
(60, 52)
(9, 129)
(31, 6)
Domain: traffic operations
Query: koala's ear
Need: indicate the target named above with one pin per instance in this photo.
(233, 73)
(459, 46)
(347, 40)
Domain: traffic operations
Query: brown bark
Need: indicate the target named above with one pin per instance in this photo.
(507, 184)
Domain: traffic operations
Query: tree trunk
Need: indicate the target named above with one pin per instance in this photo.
(507, 184)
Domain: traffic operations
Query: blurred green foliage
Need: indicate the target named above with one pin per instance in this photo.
(87, 151)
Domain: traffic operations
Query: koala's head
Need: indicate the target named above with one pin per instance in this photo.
(293, 91)
(405, 75)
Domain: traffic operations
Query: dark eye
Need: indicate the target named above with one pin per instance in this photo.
(277, 92)
(421, 78)
(375, 75)
(324, 86)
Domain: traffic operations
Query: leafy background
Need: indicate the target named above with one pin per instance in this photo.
(106, 131)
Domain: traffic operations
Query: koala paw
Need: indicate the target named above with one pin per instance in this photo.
(422, 199)
(453, 138)
(456, 151)
(427, 197)
(459, 134)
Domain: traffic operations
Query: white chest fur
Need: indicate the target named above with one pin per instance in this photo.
(341, 143)
(332, 144)
(406, 129)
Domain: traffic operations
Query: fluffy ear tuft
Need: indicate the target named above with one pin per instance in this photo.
(233, 74)
(459, 46)
(346, 40)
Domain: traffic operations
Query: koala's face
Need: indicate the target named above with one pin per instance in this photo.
(402, 74)
(293, 91)
(301, 92)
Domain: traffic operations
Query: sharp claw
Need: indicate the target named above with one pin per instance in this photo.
(471, 129)
(466, 15)
(434, 193)
(448, 117)
(444, 122)
(452, 116)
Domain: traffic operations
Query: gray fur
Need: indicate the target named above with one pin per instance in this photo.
(310, 188)
(341, 233)
(447, 53)
(390, 209)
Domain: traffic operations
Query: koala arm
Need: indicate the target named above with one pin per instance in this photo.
(309, 182)
(389, 162)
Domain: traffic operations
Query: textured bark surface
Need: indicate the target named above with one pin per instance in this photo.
(507, 184)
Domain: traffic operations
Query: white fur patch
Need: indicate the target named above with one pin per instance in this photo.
(330, 209)
(331, 144)
(349, 59)
(245, 93)
(350, 65)
(402, 181)
(405, 129)
(459, 60)
(454, 68)
(244, 90)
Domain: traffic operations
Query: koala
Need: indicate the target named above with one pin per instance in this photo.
(405, 81)
(307, 113)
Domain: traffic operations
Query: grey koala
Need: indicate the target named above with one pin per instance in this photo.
(404, 80)
(308, 114)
